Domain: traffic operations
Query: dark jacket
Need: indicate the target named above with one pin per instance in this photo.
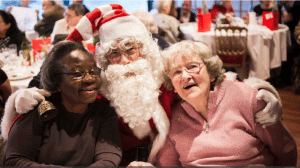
(192, 16)
(45, 26)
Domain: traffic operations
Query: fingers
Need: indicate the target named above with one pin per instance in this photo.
(139, 164)
(27, 99)
(265, 111)
(43, 92)
(272, 112)
(270, 118)
(260, 95)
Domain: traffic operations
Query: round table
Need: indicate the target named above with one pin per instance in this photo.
(267, 49)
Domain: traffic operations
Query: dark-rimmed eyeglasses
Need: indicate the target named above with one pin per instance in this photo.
(79, 75)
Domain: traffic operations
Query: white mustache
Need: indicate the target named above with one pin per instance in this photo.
(116, 72)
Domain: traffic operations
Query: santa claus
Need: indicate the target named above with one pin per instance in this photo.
(133, 82)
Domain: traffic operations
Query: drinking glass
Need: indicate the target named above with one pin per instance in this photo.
(13, 49)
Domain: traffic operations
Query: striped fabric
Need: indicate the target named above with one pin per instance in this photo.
(91, 22)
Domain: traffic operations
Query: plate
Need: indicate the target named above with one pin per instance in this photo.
(19, 75)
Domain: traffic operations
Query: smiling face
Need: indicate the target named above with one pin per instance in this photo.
(78, 91)
(190, 85)
(46, 5)
(186, 7)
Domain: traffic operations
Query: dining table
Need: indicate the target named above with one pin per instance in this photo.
(267, 49)
(20, 75)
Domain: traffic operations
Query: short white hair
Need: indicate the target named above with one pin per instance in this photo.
(161, 4)
(147, 19)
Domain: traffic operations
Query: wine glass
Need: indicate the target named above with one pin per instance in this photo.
(13, 49)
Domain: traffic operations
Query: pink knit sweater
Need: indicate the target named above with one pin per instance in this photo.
(230, 136)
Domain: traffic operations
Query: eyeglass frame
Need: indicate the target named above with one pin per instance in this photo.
(201, 64)
(81, 72)
(123, 52)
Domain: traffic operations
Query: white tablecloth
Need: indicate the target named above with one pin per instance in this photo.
(22, 82)
(267, 49)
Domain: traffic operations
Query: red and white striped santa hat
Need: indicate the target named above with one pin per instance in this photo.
(110, 22)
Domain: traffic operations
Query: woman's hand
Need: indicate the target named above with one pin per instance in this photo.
(140, 164)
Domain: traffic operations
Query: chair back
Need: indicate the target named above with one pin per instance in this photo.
(231, 46)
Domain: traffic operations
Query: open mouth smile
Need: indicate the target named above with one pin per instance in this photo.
(88, 89)
(189, 86)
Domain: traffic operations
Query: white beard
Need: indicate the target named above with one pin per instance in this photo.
(133, 91)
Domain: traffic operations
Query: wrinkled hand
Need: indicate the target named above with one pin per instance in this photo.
(139, 164)
(273, 110)
(27, 99)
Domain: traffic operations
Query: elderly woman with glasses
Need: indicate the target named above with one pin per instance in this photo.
(214, 123)
(82, 132)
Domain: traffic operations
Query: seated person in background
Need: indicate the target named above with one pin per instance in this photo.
(86, 10)
(52, 13)
(73, 14)
(9, 31)
(184, 14)
(214, 124)
(83, 132)
(5, 89)
(224, 7)
(168, 26)
(266, 5)
(150, 25)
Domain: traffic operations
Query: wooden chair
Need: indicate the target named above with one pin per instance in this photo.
(231, 47)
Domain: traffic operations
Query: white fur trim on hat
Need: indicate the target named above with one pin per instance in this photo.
(111, 22)
(121, 27)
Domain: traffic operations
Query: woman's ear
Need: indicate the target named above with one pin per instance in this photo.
(212, 79)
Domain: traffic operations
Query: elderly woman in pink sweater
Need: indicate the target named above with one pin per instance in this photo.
(214, 123)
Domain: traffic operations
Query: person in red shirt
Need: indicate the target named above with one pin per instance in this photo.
(224, 7)
(133, 82)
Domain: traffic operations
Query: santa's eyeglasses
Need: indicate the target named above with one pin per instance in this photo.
(128, 50)
(79, 75)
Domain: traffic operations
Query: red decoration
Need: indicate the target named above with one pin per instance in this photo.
(39, 44)
(204, 22)
(90, 47)
(271, 20)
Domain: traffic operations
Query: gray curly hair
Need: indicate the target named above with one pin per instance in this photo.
(193, 49)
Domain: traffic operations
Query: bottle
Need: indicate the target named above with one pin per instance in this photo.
(275, 7)
(26, 52)
(204, 6)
